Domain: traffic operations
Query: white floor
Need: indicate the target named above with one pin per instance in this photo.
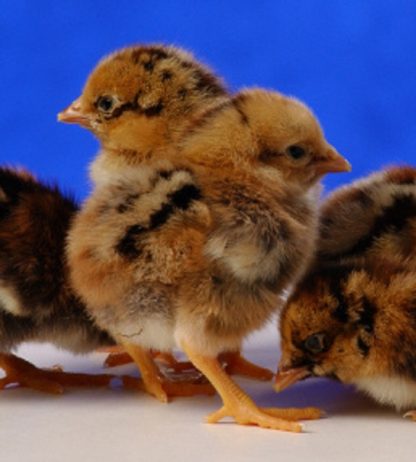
(115, 425)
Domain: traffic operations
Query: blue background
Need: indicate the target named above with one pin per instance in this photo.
(353, 62)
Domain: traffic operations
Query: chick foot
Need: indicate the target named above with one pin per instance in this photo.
(237, 404)
(24, 374)
(156, 384)
(235, 364)
(410, 415)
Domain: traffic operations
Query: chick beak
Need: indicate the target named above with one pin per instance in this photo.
(332, 163)
(73, 115)
(287, 377)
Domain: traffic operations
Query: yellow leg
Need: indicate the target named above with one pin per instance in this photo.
(235, 364)
(151, 376)
(236, 403)
(118, 357)
(410, 415)
(158, 385)
(23, 373)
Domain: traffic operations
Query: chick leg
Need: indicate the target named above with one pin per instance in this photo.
(118, 357)
(158, 385)
(410, 415)
(235, 364)
(236, 403)
(21, 372)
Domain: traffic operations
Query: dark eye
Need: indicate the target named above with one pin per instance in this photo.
(295, 152)
(315, 343)
(105, 103)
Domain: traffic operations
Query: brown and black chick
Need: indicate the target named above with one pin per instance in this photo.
(354, 323)
(194, 247)
(138, 101)
(36, 300)
(371, 218)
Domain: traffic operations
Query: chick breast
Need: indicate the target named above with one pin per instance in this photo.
(144, 253)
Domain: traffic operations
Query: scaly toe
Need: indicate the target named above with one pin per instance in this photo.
(294, 414)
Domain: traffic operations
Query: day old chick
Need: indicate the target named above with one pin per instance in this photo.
(351, 316)
(371, 218)
(36, 301)
(137, 102)
(356, 324)
(193, 249)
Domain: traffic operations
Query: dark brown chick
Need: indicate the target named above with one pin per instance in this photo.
(354, 323)
(371, 218)
(194, 249)
(36, 300)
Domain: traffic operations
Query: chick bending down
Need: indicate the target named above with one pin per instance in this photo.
(137, 102)
(36, 300)
(352, 316)
(194, 250)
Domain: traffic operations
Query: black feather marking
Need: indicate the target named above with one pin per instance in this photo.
(161, 216)
(209, 83)
(337, 277)
(237, 104)
(127, 245)
(181, 198)
(363, 347)
(166, 75)
(154, 110)
(392, 218)
(367, 315)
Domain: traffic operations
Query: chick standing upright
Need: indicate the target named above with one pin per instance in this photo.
(352, 317)
(137, 102)
(195, 245)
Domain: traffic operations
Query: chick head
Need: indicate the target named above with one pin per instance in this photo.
(327, 328)
(138, 95)
(289, 137)
(265, 129)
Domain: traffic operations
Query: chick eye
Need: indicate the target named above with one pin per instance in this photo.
(105, 103)
(296, 152)
(315, 343)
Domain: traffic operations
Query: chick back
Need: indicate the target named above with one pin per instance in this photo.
(36, 301)
(372, 217)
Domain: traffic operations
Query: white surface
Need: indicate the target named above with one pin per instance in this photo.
(115, 425)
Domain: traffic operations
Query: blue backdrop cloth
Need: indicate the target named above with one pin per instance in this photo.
(352, 61)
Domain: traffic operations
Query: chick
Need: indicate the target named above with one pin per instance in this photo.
(137, 101)
(36, 301)
(371, 218)
(194, 248)
(354, 323)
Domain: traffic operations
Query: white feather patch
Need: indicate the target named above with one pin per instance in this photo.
(395, 391)
(9, 301)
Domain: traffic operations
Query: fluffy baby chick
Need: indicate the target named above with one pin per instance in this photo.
(137, 101)
(354, 323)
(193, 249)
(371, 218)
(36, 301)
